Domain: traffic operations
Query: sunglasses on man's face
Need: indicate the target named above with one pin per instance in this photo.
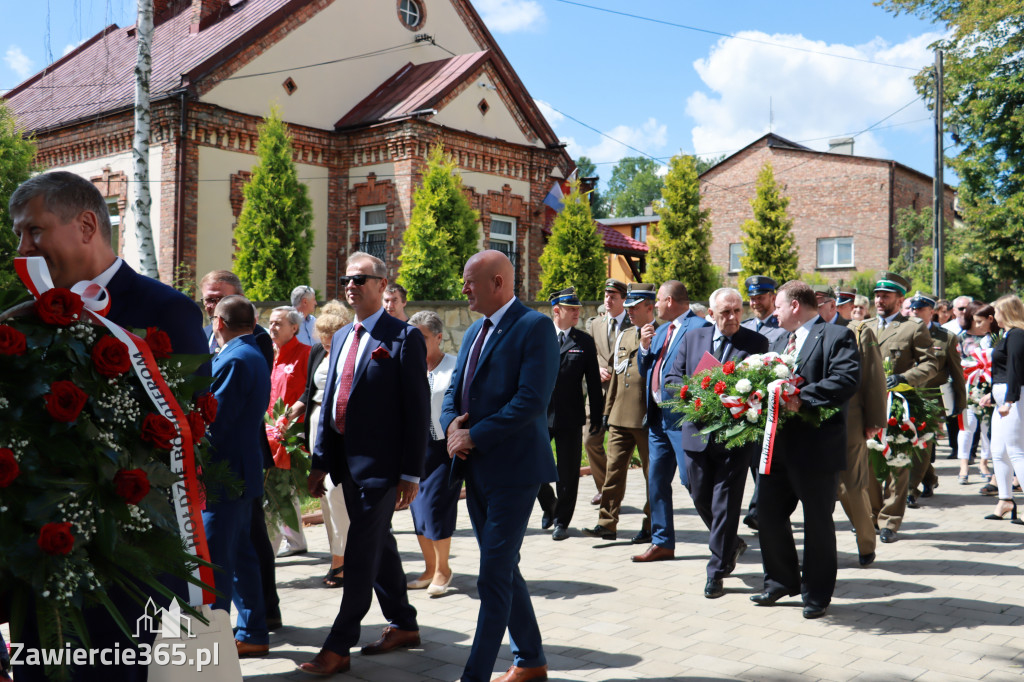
(358, 280)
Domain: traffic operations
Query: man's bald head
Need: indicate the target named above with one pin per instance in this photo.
(489, 281)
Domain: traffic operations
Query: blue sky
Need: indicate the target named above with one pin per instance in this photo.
(661, 89)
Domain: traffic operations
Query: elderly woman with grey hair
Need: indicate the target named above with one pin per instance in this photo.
(435, 508)
(304, 301)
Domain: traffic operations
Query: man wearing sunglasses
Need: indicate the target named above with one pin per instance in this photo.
(376, 455)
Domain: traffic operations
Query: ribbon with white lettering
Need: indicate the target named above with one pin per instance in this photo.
(778, 392)
(185, 492)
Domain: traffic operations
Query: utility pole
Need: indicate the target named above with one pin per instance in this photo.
(938, 191)
(141, 200)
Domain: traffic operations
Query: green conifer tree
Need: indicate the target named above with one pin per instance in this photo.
(442, 233)
(574, 255)
(680, 243)
(275, 229)
(768, 244)
(16, 155)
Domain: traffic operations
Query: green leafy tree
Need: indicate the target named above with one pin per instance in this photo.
(16, 156)
(680, 242)
(634, 184)
(983, 73)
(705, 164)
(442, 233)
(275, 229)
(585, 168)
(574, 255)
(768, 244)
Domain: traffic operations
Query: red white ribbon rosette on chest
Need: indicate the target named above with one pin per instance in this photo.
(185, 493)
(979, 367)
(779, 391)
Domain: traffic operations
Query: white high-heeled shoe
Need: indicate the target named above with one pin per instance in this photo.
(436, 590)
(418, 584)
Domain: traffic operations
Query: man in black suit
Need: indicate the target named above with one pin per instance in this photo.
(566, 415)
(827, 307)
(717, 476)
(806, 460)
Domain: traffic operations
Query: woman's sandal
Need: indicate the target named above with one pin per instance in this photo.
(335, 577)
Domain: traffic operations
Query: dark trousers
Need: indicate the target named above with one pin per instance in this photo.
(568, 449)
(779, 493)
(260, 540)
(372, 566)
(755, 462)
(499, 514)
(952, 429)
(717, 478)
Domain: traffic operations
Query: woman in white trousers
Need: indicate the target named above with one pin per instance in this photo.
(1008, 416)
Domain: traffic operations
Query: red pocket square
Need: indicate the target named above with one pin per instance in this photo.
(380, 353)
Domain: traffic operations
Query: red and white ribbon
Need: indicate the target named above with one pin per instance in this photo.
(738, 406)
(185, 492)
(779, 391)
(979, 367)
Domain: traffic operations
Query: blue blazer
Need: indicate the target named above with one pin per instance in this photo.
(387, 422)
(241, 384)
(509, 396)
(646, 363)
(743, 343)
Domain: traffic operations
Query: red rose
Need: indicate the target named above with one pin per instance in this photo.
(729, 367)
(158, 430)
(58, 306)
(912, 420)
(207, 406)
(892, 421)
(56, 538)
(131, 485)
(158, 342)
(12, 341)
(111, 357)
(682, 392)
(196, 425)
(904, 427)
(65, 401)
(705, 382)
(696, 404)
(8, 467)
(921, 425)
(720, 387)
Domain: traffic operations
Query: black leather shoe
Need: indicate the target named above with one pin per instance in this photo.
(642, 537)
(741, 547)
(547, 519)
(714, 588)
(769, 597)
(912, 502)
(927, 490)
(750, 521)
(600, 533)
(812, 611)
(887, 535)
(560, 533)
(866, 559)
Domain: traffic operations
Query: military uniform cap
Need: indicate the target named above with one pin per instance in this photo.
(921, 300)
(566, 297)
(890, 281)
(845, 294)
(639, 291)
(612, 284)
(823, 289)
(760, 284)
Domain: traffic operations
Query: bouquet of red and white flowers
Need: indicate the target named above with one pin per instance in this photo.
(911, 428)
(289, 477)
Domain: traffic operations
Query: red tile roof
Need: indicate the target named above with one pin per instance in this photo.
(98, 76)
(614, 241)
(413, 88)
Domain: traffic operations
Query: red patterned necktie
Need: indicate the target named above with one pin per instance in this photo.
(347, 372)
(791, 346)
(656, 378)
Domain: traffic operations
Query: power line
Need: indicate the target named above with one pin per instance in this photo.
(737, 37)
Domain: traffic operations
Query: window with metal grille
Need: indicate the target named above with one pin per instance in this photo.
(373, 230)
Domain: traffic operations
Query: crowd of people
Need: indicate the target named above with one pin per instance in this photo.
(521, 381)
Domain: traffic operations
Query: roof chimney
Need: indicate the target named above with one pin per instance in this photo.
(204, 13)
(841, 145)
(165, 9)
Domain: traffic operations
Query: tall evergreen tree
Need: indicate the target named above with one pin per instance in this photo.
(16, 156)
(574, 255)
(442, 233)
(680, 243)
(275, 229)
(768, 244)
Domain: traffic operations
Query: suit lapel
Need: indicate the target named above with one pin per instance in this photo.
(514, 312)
(372, 344)
(811, 343)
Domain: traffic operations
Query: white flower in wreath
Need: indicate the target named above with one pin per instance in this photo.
(900, 461)
(744, 386)
(770, 356)
(888, 439)
(752, 361)
(875, 445)
(751, 416)
(788, 359)
(900, 440)
(781, 371)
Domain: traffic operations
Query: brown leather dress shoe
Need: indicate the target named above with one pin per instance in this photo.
(249, 650)
(596, 499)
(655, 553)
(326, 663)
(391, 639)
(516, 674)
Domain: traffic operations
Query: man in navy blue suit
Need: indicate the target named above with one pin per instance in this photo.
(372, 441)
(241, 384)
(717, 475)
(495, 417)
(657, 352)
(63, 218)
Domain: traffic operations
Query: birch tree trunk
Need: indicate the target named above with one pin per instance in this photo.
(141, 200)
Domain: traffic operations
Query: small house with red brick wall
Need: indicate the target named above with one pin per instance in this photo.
(843, 206)
(365, 87)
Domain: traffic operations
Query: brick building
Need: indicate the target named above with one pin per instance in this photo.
(843, 206)
(365, 87)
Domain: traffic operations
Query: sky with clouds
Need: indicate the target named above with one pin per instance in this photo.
(677, 77)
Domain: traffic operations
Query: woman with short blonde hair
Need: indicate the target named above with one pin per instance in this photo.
(1008, 397)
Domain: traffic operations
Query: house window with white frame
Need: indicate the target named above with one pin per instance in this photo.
(115, 223)
(373, 230)
(503, 235)
(835, 252)
(735, 253)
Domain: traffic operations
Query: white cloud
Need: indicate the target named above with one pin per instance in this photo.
(508, 16)
(18, 62)
(70, 47)
(553, 117)
(813, 97)
(650, 137)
